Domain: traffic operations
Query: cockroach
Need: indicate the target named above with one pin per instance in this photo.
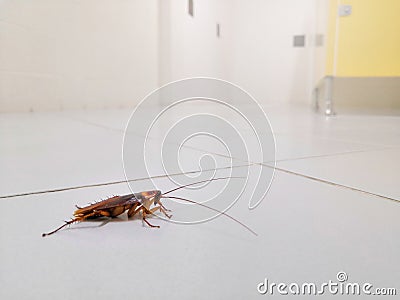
(135, 203)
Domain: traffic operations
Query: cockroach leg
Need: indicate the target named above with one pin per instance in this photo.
(61, 227)
(163, 210)
(133, 210)
(151, 225)
(144, 213)
(148, 223)
(163, 207)
(77, 219)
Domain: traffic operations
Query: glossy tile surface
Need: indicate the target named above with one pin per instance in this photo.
(309, 229)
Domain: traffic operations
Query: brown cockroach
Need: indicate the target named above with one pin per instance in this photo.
(135, 203)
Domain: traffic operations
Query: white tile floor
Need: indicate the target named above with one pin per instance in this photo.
(319, 217)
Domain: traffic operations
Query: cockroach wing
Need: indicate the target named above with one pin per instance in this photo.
(107, 203)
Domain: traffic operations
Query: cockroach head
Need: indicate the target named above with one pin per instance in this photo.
(157, 196)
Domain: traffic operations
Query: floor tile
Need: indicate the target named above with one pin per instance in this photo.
(307, 232)
(372, 171)
(308, 229)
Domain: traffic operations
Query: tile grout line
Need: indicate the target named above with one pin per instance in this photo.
(341, 140)
(319, 180)
(312, 178)
(114, 182)
(193, 172)
(385, 147)
(334, 184)
(336, 154)
(77, 119)
(249, 164)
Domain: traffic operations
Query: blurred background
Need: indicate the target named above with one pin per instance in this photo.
(65, 54)
(326, 73)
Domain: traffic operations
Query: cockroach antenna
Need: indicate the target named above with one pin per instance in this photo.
(203, 181)
(216, 210)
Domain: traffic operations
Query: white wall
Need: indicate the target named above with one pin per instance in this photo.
(109, 53)
(322, 15)
(73, 54)
(265, 61)
(255, 50)
(189, 45)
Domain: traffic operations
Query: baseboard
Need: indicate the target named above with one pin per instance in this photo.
(366, 92)
(377, 94)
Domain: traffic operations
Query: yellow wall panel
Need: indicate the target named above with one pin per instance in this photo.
(368, 41)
